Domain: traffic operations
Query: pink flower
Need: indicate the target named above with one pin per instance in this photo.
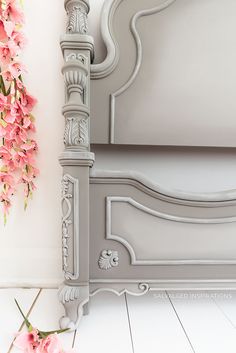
(2, 131)
(5, 154)
(23, 135)
(11, 165)
(8, 191)
(14, 133)
(6, 178)
(32, 128)
(11, 133)
(26, 122)
(27, 103)
(7, 76)
(9, 27)
(29, 176)
(17, 69)
(3, 102)
(27, 341)
(19, 39)
(14, 71)
(23, 158)
(6, 29)
(10, 117)
(50, 344)
(6, 203)
(13, 12)
(8, 51)
(29, 145)
(5, 53)
(3, 35)
(12, 112)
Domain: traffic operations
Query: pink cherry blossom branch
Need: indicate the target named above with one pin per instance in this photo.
(17, 148)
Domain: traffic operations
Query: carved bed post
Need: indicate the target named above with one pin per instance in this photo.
(77, 48)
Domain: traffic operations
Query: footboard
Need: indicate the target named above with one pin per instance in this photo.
(140, 232)
(122, 232)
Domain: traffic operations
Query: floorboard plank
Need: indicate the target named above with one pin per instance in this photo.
(106, 327)
(10, 318)
(226, 301)
(206, 325)
(45, 316)
(154, 325)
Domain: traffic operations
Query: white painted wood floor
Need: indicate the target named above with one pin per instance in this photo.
(160, 322)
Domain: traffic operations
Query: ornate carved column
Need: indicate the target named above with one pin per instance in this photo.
(77, 48)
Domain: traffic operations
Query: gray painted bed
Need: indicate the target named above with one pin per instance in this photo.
(122, 232)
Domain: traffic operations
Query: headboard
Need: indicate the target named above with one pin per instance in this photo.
(169, 76)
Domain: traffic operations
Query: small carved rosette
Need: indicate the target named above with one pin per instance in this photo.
(108, 259)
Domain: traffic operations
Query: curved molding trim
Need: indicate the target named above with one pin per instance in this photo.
(142, 208)
(166, 216)
(132, 289)
(207, 199)
(157, 285)
(109, 64)
(138, 63)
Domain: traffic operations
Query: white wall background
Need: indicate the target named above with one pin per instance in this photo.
(30, 243)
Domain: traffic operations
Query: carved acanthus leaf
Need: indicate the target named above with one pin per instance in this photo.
(78, 20)
(76, 132)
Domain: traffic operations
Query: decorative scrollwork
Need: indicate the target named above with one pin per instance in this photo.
(76, 132)
(136, 289)
(78, 20)
(69, 221)
(108, 259)
(66, 221)
(77, 57)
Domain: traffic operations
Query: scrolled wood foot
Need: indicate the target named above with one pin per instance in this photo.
(73, 298)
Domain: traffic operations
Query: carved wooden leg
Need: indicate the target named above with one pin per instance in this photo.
(73, 299)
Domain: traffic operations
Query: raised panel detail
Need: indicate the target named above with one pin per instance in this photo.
(153, 237)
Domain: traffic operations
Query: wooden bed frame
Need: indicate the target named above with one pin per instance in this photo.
(120, 231)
